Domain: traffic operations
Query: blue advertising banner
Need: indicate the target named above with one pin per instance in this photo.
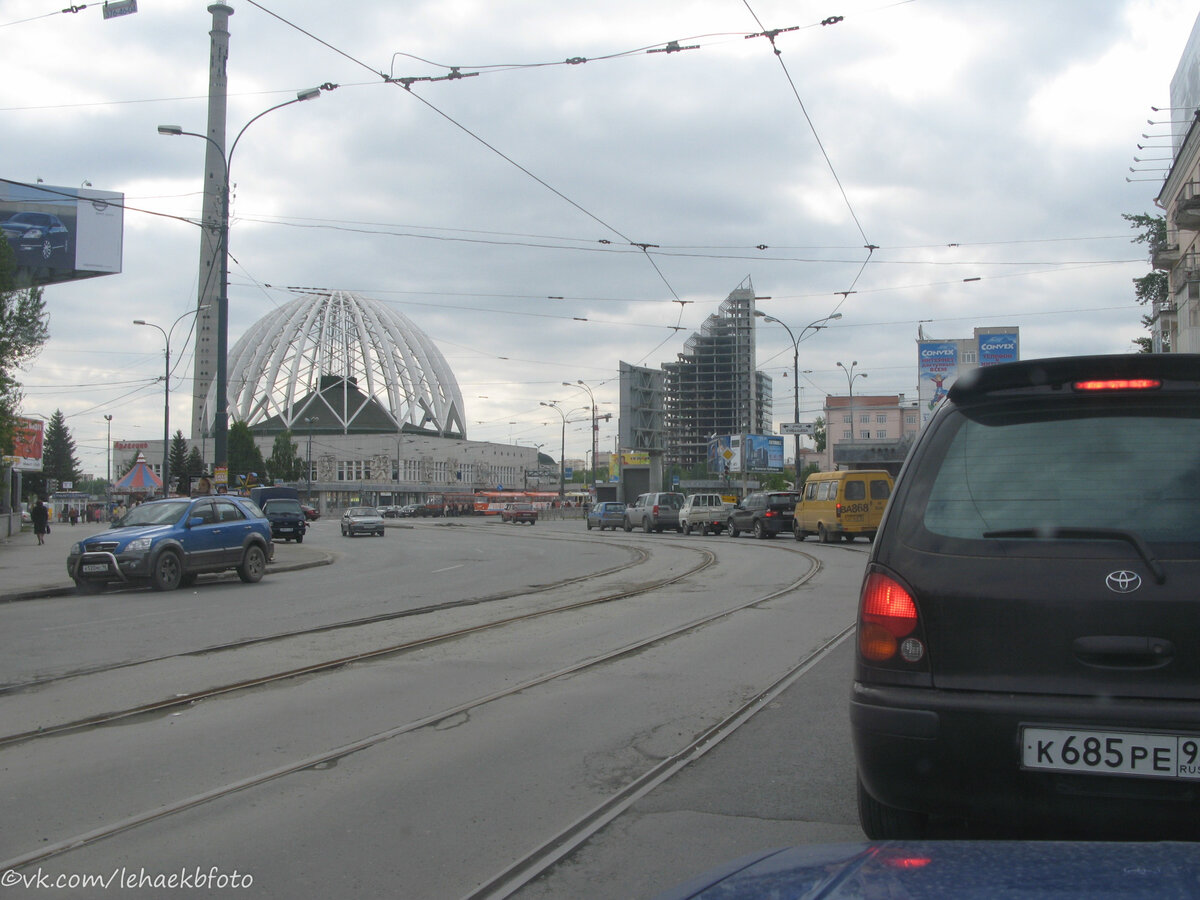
(997, 348)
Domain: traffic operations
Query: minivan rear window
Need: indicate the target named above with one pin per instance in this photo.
(1136, 470)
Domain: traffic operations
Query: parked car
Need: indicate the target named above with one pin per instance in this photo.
(409, 511)
(167, 543)
(765, 513)
(362, 520)
(517, 513)
(389, 512)
(287, 519)
(310, 513)
(608, 514)
(36, 233)
(653, 512)
(1028, 645)
(704, 513)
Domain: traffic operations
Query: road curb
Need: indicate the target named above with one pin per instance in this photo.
(68, 590)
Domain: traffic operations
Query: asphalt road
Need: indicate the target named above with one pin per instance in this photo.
(432, 777)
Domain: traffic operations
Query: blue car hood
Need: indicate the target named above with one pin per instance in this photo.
(963, 870)
(125, 535)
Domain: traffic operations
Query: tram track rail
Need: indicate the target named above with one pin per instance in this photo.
(707, 558)
(543, 856)
(639, 556)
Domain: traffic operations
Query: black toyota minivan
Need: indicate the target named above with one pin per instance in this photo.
(1029, 621)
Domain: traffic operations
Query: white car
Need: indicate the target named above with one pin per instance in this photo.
(704, 513)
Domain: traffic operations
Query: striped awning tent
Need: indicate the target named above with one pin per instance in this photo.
(140, 479)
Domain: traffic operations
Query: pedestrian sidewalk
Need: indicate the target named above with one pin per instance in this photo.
(29, 571)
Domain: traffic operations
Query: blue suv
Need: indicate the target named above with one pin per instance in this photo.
(167, 543)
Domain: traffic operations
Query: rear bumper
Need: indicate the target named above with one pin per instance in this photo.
(959, 754)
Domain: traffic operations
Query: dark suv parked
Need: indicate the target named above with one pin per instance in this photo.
(1029, 621)
(654, 512)
(766, 513)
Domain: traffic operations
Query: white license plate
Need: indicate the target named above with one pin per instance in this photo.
(1112, 752)
(93, 568)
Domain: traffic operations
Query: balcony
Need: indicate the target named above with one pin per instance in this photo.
(1187, 213)
(1166, 257)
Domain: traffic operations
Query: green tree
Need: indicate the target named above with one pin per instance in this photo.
(178, 462)
(284, 464)
(244, 455)
(819, 434)
(1152, 289)
(58, 451)
(195, 462)
(23, 331)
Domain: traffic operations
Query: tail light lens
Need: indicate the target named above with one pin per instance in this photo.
(838, 510)
(654, 511)
(888, 623)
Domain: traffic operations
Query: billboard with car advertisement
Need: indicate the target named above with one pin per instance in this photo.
(761, 453)
(61, 233)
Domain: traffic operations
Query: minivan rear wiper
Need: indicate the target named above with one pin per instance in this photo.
(1089, 534)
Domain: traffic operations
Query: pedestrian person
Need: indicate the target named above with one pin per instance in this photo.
(40, 515)
(74, 516)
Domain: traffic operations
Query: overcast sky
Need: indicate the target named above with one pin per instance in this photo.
(983, 147)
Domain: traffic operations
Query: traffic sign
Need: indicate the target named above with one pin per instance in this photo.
(797, 428)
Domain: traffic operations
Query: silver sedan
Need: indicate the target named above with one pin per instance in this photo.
(362, 520)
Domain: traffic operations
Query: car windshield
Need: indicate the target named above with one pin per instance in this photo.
(360, 511)
(282, 506)
(161, 512)
(1071, 471)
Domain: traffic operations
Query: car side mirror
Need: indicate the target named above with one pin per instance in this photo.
(194, 521)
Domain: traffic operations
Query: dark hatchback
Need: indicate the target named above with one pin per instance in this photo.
(287, 517)
(1029, 622)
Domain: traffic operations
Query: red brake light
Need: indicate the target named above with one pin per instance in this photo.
(888, 614)
(838, 510)
(1119, 384)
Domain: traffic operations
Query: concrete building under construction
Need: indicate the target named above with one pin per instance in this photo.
(713, 387)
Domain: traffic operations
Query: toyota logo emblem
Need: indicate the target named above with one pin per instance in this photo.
(1123, 582)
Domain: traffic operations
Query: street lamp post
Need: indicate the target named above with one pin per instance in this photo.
(108, 467)
(221, 416)
(166, 333)
(850, 376)
(815, 326)
(595, 424)
(562, 453)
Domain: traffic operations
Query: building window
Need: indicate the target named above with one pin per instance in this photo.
(864, 419)
(847, 435)
(866, 435)
(881, 419)
(910, 419)
(880, 435)
(968, 357)
(846, 419)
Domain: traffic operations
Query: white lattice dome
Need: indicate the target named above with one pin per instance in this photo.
(354, 362)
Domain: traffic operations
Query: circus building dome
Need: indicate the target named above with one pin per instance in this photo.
(352, 362)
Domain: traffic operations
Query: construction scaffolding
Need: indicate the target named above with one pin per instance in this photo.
(713, 387)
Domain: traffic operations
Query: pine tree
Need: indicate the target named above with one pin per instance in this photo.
(244, 455)
(195, 462)
(58, 451)
(178, 463)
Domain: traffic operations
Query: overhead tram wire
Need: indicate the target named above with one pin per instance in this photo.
(408, 89)
(771, 35)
